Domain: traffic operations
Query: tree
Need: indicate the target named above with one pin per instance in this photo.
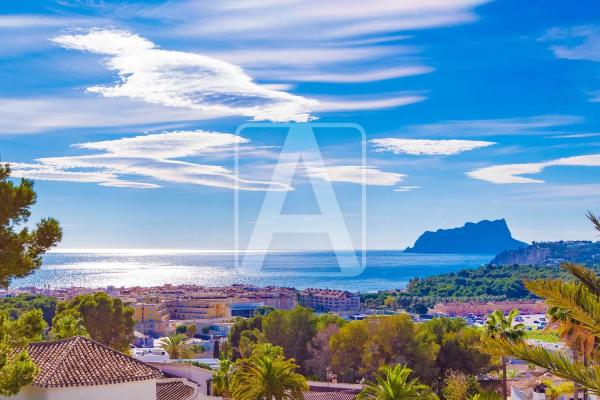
(393, 383)
(176, 346)
(458, 386)
(268, 375)
(222, 378)
(15, 306)
(346, 350)
(458, 347)
(106, 319)
(554, 391)
(16, 367)
(181, 329)
(191, 331)
(66, 325)
(292, 330)
(320, 352)
(501, 327)
(21, 249)
(580, 300)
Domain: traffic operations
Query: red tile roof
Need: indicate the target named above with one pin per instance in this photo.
(329, 395)
(173, 390)
(79, 361)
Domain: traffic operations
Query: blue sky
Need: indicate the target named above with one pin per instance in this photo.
(125, 114)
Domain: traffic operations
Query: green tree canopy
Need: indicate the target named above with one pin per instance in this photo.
(16, 367)
(393, 383)
(267, 375)
(21, 249)
(106, 319)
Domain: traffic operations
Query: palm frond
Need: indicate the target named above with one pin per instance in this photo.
(594, 219)
(556, 363)
(576, 299)
(586, 276)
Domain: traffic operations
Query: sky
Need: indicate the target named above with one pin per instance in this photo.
(128, 115)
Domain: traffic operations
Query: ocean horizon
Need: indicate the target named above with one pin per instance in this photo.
(97, 268)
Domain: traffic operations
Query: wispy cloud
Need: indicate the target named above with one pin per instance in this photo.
(576, 43)
(495, 127)
(357, 175)
(182, 79)
(151, 157)
(41, 114)
(406, 188)
(512, 173)
(426, 147)
(338, 39)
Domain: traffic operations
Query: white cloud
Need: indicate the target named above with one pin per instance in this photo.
(426, 146)
(356, 174)
(406, 188)
(182, 79)
(355, 103)
(31, 115)
(579, 42)
(496, 127)
(328, 40)
(151, 157)
(350, 76)
(173, 144)
(511, 173)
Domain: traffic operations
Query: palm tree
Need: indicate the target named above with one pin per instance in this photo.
(499, 326)
(176, 346)
(554, 391)
(222, 378)
(580, 301)
(393, 383)
(267, 375)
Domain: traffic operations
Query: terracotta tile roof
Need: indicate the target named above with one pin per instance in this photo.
(173, 390)
(79, 361)
(329, 395)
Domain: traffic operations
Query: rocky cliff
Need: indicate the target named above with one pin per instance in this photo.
(485, 237)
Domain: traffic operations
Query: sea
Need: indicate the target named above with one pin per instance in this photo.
(383, 270)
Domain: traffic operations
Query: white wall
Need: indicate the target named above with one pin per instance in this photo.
(144, 390)
(199, 376)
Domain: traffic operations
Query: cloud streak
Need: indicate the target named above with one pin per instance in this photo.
(356, 174)
(512, 173)
(427, 147)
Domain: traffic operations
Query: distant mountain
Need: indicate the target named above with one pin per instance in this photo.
(485, 237)
(552, 253)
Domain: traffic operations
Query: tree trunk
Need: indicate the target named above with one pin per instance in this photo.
(504, 380)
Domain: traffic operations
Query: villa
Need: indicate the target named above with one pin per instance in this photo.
(82, 369)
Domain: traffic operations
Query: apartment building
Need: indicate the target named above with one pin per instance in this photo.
(326, 300)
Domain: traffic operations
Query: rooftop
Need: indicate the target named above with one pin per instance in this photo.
(80, 361)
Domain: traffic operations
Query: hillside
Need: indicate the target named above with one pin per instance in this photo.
(485, 237)
(552, 253)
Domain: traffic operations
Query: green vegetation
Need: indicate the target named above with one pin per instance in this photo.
(267, 375)
(392, 383)
(543, 335)
(106, 319)
(491, 282)
(574, 305)
(21, 249)
(357, 349)
(176, 346)
(499, 326)
(16, 367)
(15, 306)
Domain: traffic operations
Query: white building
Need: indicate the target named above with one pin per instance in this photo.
(82, 369)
